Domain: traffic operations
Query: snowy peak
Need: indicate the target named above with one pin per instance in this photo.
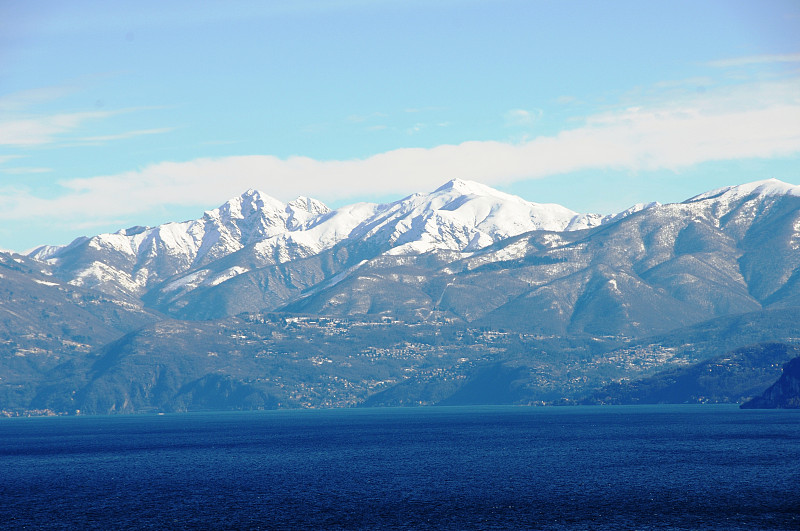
(255, 216)
(462, 187)
(457, 193)
(133, 259)
(255, 230)
(739, 205)
(462, 216)
(307, 204)
(256, 203)
(466, 190)
(765, 188)
(249, 203)
(132, 231)
(638, 207)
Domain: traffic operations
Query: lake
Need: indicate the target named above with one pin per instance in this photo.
(636, 467)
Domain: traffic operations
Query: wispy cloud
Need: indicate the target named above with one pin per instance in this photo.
(566, 99)
(18, 101)
(24, 124)
(416, 128)
(40, 130)
(420, 126)
(521, 117)
(6, 158)
(316, 128)
(756, 59)
(128, 134)
(431, 108)
(727, 123)
(361, 118)
(219, 142)
(25, 171)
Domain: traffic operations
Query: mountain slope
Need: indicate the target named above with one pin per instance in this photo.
(463, 216)
(45, 323)
(255, 231)
(460, 216)
(785, 393)
(732, 251)
(463, 295)
(132, 260)
(728, 378)
(464, 251)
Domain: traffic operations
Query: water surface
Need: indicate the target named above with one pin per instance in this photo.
(492, 467)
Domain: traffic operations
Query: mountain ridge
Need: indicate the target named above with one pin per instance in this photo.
(460, 295)
(257, 242)
(131, 261)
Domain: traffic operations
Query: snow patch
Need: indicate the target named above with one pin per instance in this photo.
(768, 187)
(189, 281)
(794, 241)
(612, 283)
(98, 273)
(116, 242)
(312, 206)
(227, 275)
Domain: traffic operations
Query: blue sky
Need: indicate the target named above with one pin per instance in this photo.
(121, 113)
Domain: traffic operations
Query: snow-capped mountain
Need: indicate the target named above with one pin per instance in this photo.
(493, 283)
(255, 252)
(726, 252)
(131, 260)
(464, 216)
(256, 230)
(460, 216)
(767, 187)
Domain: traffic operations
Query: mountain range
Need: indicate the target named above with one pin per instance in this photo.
(464, 257)
(257, 236)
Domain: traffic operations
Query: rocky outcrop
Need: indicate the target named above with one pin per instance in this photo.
(784, 394)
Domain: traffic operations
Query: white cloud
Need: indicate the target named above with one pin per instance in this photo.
(6, 158)
(566, 100)
(24, 129)
(25, 171)
(219, 142)
(756, 59)
(40, 130)
(521, 117)
(360, 118)
(23, 99)
(18, 127)
(431, 108)
(726, 123)
(416, 128)
(127, 134)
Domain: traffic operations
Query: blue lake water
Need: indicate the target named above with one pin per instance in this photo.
(642, 467)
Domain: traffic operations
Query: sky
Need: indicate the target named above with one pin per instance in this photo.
(114, 114)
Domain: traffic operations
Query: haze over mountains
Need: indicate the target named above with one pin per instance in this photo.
(463, 257)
